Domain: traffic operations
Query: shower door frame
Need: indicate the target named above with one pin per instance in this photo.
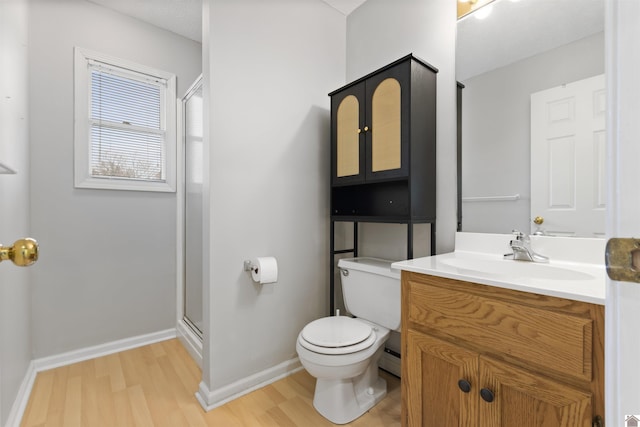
(187, 332)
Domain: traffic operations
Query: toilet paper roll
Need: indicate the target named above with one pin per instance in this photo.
(265, 270)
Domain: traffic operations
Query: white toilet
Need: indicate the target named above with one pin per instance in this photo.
(343, 352)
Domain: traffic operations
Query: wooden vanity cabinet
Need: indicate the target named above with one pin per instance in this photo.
(477, 355)
(383, 142)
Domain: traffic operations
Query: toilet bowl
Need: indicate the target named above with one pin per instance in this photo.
(342, 352)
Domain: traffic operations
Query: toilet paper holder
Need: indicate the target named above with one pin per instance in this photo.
(249, 266)
(263, 269)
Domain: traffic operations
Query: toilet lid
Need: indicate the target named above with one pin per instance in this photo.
(336, 331)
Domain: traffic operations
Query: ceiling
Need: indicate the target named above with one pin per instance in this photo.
(344, 6)
(184, 17)
(514, 30)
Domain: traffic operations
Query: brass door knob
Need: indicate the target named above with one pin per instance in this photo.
(23, 253)
(538, 220)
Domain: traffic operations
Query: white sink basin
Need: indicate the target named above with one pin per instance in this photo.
(576, 270)
(517, 269)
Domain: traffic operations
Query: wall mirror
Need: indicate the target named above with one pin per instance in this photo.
(522, 48)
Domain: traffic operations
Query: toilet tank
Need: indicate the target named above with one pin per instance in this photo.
(371, 290)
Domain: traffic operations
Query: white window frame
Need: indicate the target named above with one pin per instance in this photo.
(82, 128)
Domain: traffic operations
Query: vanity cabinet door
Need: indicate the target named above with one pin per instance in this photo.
(446, 385)
(515, 397)
(439, 383)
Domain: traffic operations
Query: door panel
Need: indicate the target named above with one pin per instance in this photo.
(388, 96)
(386, 126)
(568, 158)
(537, 401)
(623, 131)
(433, 370)
(562, 179)
(348, 137)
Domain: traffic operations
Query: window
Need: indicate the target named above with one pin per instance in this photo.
(125, 125)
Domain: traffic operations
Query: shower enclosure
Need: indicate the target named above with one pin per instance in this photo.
(192, 108)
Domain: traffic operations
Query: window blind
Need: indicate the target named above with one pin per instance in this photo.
(126, 125)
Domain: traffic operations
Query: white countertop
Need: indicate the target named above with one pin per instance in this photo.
(564, 276)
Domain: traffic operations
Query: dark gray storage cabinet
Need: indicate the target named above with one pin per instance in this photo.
(383, 151)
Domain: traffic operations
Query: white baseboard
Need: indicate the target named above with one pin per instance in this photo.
(212, 399)
(190, 341)
(22, 398)
(87, 353)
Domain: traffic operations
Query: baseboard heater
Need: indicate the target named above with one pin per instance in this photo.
(390, 362)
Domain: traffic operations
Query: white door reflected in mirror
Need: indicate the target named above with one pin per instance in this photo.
(568, 158)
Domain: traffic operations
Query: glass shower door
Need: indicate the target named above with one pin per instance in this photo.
(193, 173)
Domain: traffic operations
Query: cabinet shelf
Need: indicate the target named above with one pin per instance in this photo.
(381, 219)
(398, 199)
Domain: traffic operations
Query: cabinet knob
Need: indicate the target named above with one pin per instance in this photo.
(366, 128)
(487, 395)
(359, 130)
(464, 385)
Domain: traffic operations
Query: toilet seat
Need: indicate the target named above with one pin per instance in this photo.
(337, 335)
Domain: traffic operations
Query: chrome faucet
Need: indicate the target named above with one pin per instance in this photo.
(521, 247)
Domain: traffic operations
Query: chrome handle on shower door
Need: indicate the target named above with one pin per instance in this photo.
(23, 253)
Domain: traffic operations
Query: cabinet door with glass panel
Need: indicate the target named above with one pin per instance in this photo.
(370, 127)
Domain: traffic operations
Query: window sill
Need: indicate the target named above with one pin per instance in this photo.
(125, 184)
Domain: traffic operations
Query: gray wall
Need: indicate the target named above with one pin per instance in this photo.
(496, 131)
(268, 67)
(15, 289)
(108, 266)
(379, 32)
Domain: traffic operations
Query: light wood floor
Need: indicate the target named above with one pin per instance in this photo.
(155, 386)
